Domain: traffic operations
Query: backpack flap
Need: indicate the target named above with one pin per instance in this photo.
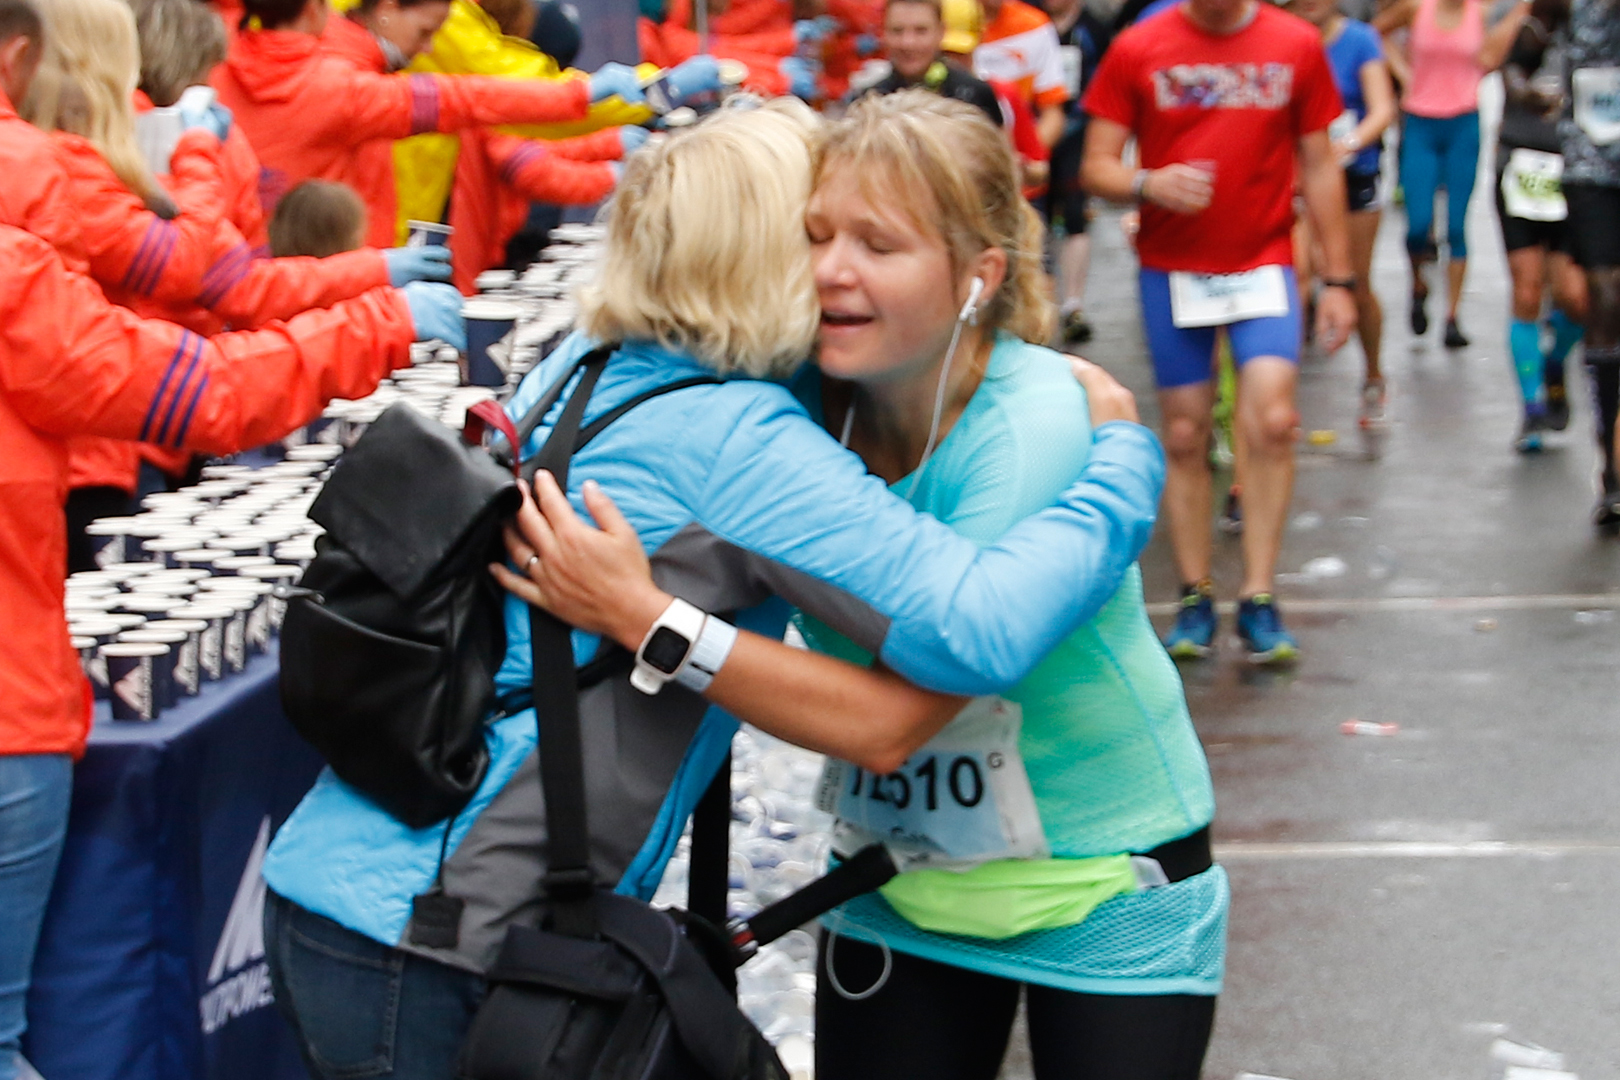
(407, 493)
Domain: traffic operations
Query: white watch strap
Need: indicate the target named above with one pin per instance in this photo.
(708, 653)
(684, 619)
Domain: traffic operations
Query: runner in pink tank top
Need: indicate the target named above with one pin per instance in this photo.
(1445, 63)
(1450, 52)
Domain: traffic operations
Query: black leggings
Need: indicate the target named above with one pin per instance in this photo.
(949, 1023)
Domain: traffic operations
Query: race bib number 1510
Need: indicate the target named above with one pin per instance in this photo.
(963, 799)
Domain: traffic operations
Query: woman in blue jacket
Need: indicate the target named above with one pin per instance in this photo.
(746, 506)
(1054, 837)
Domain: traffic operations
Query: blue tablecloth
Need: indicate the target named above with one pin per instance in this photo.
(151, 964)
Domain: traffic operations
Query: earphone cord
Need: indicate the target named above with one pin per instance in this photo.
(939, 409)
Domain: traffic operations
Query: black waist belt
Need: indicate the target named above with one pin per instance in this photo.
(1183, 858)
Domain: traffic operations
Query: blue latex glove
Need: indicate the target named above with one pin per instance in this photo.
(867, 45)
(616, 80)
(810, 31)
(801, 77)
(691, 78)
(436, 312)
(408, 264)
(633, 138)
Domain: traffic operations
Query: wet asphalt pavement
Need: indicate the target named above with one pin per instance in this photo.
(1400, 902)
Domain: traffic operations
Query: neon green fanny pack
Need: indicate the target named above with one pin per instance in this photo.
(1007, 897)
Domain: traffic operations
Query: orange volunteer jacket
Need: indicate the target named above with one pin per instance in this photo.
(239, 177)
(747, 17)
(34, 191)
(73, 364)
(196, 270)
(497, 176)
(672, 42)
(311, 110)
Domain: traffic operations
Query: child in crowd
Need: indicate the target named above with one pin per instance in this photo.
(318, 218)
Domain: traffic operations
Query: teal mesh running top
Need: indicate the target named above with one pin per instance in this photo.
(1110, 750)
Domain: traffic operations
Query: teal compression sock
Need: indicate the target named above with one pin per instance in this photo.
(1524, 339)
(1567, 333)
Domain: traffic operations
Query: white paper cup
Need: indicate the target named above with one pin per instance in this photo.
(188, 676)
(165, 678)
(133, 676)
(427, 234)
(488, 321)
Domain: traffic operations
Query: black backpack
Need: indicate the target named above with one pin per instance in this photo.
(608, 987)
(393, 637)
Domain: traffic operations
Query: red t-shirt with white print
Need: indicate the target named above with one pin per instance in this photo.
(1241, 101)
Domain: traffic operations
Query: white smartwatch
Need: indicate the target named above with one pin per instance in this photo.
(667, 646)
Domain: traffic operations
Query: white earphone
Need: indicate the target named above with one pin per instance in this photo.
(970, 310)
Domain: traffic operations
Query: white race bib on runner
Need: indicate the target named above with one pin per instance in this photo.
(1343, 126)
(962, 800)
(1072, 61)
(1596, 94)
(1533, 186)
(1220, 299)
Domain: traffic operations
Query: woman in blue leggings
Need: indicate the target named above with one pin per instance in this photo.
(1450, 53)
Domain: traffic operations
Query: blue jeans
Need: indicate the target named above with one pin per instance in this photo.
(35, 790)
(361, 1008)
(1438, 154)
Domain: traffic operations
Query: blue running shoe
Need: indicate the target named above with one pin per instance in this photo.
(1263, 634)
(1193, 635)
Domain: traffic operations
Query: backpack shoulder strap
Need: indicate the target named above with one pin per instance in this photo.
(710, 872)
(569, 882)
(596, 427)
(531, 420)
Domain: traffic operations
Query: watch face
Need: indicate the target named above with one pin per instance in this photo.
(665, 650)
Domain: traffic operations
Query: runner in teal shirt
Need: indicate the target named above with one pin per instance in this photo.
(1055, 837)
(1106, 740)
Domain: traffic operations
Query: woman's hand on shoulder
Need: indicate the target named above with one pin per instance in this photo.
(1108, 399)
(597, 579)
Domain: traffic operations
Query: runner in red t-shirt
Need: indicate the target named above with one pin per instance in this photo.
(1224, 96)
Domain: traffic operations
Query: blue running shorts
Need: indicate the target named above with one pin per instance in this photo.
(1183, 357)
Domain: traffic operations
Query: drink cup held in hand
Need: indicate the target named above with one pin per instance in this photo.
(660, 98)
(488, 322)
(427, 234)
(132, 678)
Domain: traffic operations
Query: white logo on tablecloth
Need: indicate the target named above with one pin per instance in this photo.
(239, 978)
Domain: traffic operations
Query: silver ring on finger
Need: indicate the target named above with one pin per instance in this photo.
(530, 564)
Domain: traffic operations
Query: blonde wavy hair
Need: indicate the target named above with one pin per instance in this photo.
(706, 250)
(946, 167)
(85, 81)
